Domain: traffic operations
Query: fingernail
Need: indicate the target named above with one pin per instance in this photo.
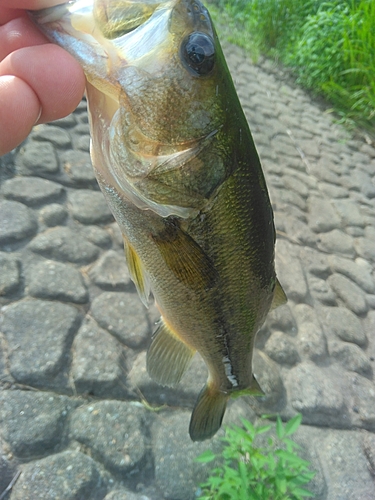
(39, 115)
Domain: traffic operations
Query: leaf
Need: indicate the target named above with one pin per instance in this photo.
(205, 457)
(293, 424)
(279, 428)
(303, 493)
(281, 484)
(291, 458)
(291, 444)
(262, 429)
(249, 427)
(244, 434)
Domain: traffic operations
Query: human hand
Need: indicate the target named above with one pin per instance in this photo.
(39, 81)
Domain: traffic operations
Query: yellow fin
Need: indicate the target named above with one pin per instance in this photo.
(187, 260)
(208, 413)
(167, 357)
(279, 297)
(137, 273)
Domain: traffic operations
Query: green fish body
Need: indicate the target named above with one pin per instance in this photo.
(175, 159)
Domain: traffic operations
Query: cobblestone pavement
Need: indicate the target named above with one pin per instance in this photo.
(73, 332)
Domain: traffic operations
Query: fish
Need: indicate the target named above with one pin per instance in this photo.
(174, 157)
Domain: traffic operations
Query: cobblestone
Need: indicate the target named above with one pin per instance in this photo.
(123, 315)
(53, 215)
(37, 159)
(97, 371)
(31, 190)
(323, 218)
(111, 272)
(101, 425)
(67, 476)
(32, 424)
(89, 207)
(9, 273)
(77, 166)
(349, 292)
(57, 281)
(17, 222)
(61, 243)
(38, 333)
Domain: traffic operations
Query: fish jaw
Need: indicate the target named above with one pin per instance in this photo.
(75, 27)
(85, 28)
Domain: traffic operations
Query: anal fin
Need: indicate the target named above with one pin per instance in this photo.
(279, 297)
(208, 413)
(168, 357)
(137, 273)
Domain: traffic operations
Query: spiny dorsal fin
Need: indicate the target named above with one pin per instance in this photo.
(137, 273)
(208, 413)
(167, 357)
(279, 297)
(187, 260)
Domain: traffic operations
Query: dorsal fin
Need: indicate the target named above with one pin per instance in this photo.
(279, 297)
(168, 357)
(137, 272)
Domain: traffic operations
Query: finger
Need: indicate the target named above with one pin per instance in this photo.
(7, 15)
(19, 33)
(10, 9)
(19, 110)
(53, 74)
(30, 4)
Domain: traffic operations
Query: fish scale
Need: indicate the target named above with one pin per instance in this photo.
(175, 159)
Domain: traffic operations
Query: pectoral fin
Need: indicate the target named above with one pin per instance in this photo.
(168, 357)
(279, 297)
(187, 260)
(208, 413)
(137, 273)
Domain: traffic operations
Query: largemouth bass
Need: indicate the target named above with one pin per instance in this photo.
(174, 157)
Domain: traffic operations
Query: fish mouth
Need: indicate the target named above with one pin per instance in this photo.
(105, 40)
(124, 32)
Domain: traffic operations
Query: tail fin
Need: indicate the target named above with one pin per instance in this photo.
(208, 413)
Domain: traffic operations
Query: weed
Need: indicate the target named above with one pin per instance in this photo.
(253, 472)
(330, 45)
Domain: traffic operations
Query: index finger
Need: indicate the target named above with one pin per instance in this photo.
(11, 9)
(29, 4)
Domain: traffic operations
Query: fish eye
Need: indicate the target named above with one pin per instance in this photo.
(198, 53)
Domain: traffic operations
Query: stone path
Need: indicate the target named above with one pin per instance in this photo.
(73, 332)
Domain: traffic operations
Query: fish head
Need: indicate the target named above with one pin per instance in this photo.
(158, 85)
(160, 60)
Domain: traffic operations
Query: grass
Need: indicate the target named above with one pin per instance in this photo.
(329, 45)
(249, 470)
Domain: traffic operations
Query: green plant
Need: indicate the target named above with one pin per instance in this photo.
(319, 56)
(329, 44)
(250, 471)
